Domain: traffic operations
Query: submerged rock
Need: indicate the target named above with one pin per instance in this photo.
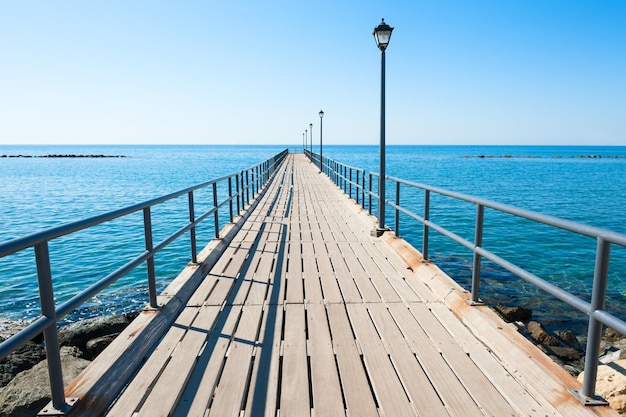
(540, 334)
(512, 314)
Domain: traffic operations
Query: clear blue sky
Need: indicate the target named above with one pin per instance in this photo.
(238, 72)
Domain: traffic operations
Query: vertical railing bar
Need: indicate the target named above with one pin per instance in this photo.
(216, 214)
(356, 190)
(397, 215)
(594, 335)
(51, 336)
(238, 194)
(425, 230)
(147, 229)
(363, 189)
(230, 197)
(369, 188)
(478, 242)
(247, 187)
(192, 231)
(350, 182)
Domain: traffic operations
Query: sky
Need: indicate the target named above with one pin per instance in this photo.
(458, 72)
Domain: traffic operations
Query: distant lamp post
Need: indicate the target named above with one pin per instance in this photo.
(311, 132)
(321, 163)
(382, 34)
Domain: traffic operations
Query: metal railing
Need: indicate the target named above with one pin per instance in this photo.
(365, 184)
(242, 187)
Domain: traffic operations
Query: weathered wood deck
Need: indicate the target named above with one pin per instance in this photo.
(305, 314)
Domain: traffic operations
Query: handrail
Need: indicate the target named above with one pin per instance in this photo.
(247, 181)
(595, 309)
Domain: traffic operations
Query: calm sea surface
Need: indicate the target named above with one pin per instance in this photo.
(37, 193)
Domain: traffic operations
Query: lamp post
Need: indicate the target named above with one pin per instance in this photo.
(303, 144)
(306, 139)
(382, 34)
(311, 132)
(321, 163)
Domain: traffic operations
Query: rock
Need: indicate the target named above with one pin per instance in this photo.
(567, 354)
(568, 337)
(612, 335)
(20, 360)
(512, 314)
(29, 391)
(78, 334)
(611, 354)
(611, 384)
(96, 346)
(539, 333)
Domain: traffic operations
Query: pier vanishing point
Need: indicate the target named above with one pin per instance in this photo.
(297, 310)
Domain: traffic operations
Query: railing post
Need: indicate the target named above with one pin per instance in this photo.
(147, 229)
(356, 191)
(216, 213)
(350, 183)
(478, 242)
(237, 190)
(363, 189)
(230, 197)
(594, 334)
(425, 230)
(51, 337)
(247, 187)
(192, 231)
(369, 188)
(397, 216)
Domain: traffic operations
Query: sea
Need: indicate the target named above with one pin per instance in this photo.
(582, 184)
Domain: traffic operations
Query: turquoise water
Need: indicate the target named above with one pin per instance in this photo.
(37, 193)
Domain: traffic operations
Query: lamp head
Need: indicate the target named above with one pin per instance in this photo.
(321, 113)
(382, 34)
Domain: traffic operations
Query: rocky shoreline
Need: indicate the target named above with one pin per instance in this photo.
(62, 156)
(568, 350)
(24, 386)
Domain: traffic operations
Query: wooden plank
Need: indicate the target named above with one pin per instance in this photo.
(354, 381)
(327, 398)
(295, 284)
(264, 380)
(378, 279)
(294, 387)
(423, 395)
(362, 280)
(330, 286)
(231, 388)
(171, 382)
(451, 391)
(389, 390)
(199, 389)
(394, 273)
(515, 393)
(140, 387)
(479, 387)
(310, 274)
(349, 290)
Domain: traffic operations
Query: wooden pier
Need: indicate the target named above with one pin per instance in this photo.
(299, 311)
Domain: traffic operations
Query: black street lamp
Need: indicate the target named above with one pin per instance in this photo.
(311, 132)
(321, 163)
(306, 140)
(382, 34)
